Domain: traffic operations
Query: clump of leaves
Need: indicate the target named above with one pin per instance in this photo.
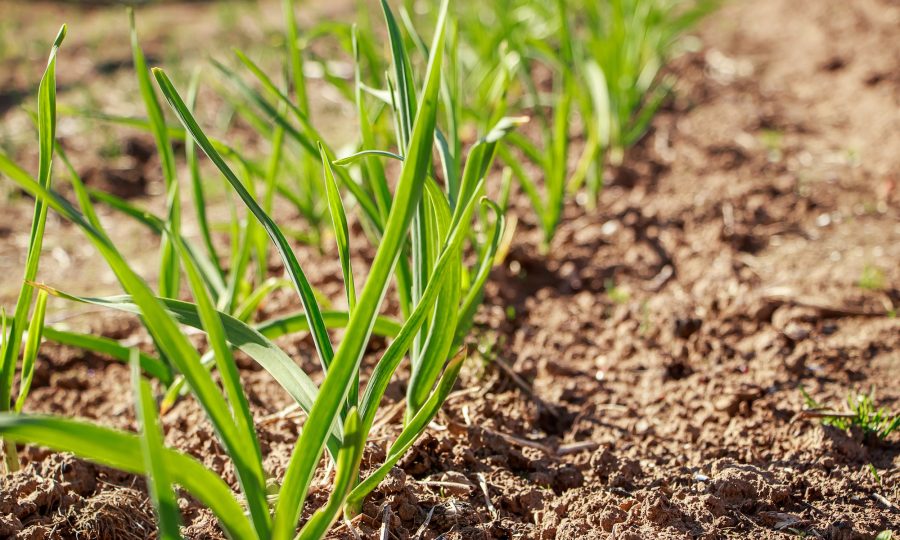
(861, 414)
(422, 231)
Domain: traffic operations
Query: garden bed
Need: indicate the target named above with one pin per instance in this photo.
(642, 379)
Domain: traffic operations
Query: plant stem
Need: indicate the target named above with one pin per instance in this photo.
(11, 456)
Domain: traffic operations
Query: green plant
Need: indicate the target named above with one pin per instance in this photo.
(12, 341)
(874, 472)
(862, 414)
(872, 278)
(440, 303)
(623, 47)
(615, 293)
(588, 72)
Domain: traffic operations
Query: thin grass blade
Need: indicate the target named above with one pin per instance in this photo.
(109, 347)
(166, 334)
(32, 344)
(292, 266)
(122, 451)
(169, 276)
(9, 352)
(341, 231)
(407, 437)
(241, 336)
(346, 364)
(346, 472)
(198, 192)
(212, 323)
(158, 482)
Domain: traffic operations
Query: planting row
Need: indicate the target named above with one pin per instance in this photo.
(556, 89)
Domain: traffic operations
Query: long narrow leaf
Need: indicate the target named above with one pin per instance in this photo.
(241, 336)
(289, 324)
(122, 451)
(341, 231)
(29, 355)
(381, 376)
(164, 330)
(346, 363)
(210, 266)
(250, 455)
(169, 276)
(292, 266)
(345, 475)
(153, 451)
(407, 437)
(190, 153)
(46, 136)
(109, 347)
(9, 352)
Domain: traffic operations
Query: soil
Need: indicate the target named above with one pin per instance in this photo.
(642, 380)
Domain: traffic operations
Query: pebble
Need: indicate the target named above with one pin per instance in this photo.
(795, 332)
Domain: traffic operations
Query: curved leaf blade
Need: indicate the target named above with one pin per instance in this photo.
(122, 451)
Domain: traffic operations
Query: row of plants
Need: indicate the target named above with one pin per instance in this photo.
(416, 185)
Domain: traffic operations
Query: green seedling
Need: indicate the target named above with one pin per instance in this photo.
(604, 62)
(872, 278)
(615, 293)
(12, 340)
(422, 231)
(878, 423)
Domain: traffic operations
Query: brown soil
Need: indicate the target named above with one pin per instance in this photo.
(642, 380)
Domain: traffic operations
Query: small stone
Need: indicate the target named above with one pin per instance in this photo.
(795, 332)
(610, 227)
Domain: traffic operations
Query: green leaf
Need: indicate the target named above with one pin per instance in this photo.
(374, 169)
(305, 139)
(247, 458)
(240, 335)
(242, 234)
(122, 451)
(9, 352)
(346, 362)
(341, 232)
(256, 98)
(292, 267)
(295, 56)
(272, 89)
(169, 275)
(248, 307)
(472, 299)
(407, 437)
(381, 376)
(405, 88)
(346, 472)
(210, 269)
(109, 347)
(426, 367)
(35, 330)
(193, 164)
(356, 156)
(289, 324)
(479, 161)
(165, 332)
(158, 482)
